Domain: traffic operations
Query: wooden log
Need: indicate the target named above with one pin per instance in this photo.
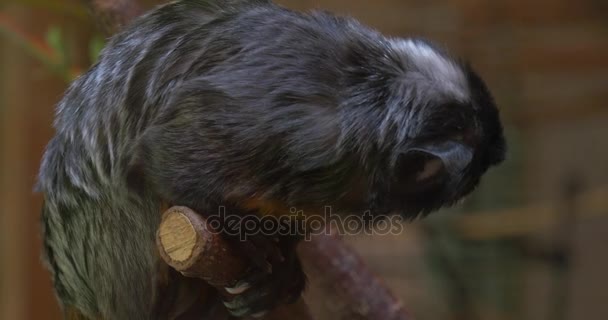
(528, 220)
(349, 288)
(190, 246)
(112, 15)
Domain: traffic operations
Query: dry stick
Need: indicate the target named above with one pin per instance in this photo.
(112, 15)
(350, 290)
(190, 246)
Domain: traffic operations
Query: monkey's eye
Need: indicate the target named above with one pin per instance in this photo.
(456, 124)
(465, 135)
(444, 123)
(450, 130)
(455, 117)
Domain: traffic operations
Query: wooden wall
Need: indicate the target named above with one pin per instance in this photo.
(28, 93)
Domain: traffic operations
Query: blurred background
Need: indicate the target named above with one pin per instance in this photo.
(529, 244)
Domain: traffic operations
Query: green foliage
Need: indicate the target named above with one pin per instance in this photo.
(54, 39)
(52, 48)
(95, 46)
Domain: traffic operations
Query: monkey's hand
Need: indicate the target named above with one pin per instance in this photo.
(275, 277)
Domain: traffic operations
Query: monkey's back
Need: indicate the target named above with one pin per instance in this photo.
(98, 226)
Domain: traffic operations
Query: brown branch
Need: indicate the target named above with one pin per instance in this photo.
(36, 47)
(346, 286)
(112, 15)
(347, 289)
(527, 220)
(187, 244)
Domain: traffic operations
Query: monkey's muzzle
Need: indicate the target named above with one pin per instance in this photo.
(432, 166)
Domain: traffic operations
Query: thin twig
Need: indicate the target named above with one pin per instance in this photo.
(36, 48)
(112, 15)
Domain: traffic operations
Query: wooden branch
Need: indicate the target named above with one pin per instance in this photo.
(37, 48)
(348, 288)
(529, 219)
(187, 244)
(112, 15)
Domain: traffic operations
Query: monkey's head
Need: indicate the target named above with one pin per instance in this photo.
(427, 128)
(418, 129)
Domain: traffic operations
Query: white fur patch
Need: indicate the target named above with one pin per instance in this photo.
(447, 75)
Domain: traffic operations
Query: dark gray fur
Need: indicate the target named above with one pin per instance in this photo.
(202, 102)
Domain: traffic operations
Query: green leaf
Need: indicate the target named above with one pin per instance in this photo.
(54, 38)
(95, 46)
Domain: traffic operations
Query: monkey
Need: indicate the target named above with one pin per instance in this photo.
(252, 107)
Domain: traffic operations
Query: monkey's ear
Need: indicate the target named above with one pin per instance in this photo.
(422, 167)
